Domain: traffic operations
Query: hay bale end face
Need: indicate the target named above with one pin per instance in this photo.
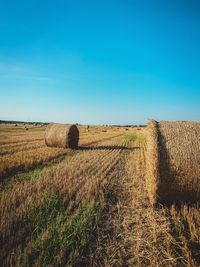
(173, 162)
(62, 135)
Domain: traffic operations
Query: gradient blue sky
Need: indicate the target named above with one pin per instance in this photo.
(100, 62)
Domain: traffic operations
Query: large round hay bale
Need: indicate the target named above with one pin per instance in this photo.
(62, 135)
(173, 162)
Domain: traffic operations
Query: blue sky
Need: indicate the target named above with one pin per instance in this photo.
(100, 62)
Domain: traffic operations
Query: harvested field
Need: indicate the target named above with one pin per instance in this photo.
(88, 207)
(21, 146)
(28, 153)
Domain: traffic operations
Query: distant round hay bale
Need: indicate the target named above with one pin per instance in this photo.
(173, 162)
(62, 135)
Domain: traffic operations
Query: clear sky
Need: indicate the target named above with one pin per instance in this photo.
(100, 62)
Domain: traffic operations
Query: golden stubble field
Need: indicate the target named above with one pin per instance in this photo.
(87, 207)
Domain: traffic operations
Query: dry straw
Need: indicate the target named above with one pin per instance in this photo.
(173, 161)
(62, 135)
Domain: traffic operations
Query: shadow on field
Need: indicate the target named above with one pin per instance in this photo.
(106, 148)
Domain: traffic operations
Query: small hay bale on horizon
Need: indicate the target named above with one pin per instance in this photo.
(62, 135)
(173, 162)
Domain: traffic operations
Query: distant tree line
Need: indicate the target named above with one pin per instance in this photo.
(23, 122)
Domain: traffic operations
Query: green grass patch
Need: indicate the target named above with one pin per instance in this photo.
(38, 218)
(34, 223)
(11, 184)
(66, 242)
(37, 129)
(37, 173)
(32, 175)
(130, 137)
(57, 237)
(133, 137)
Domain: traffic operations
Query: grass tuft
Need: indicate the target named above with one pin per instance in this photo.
(130, 137)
